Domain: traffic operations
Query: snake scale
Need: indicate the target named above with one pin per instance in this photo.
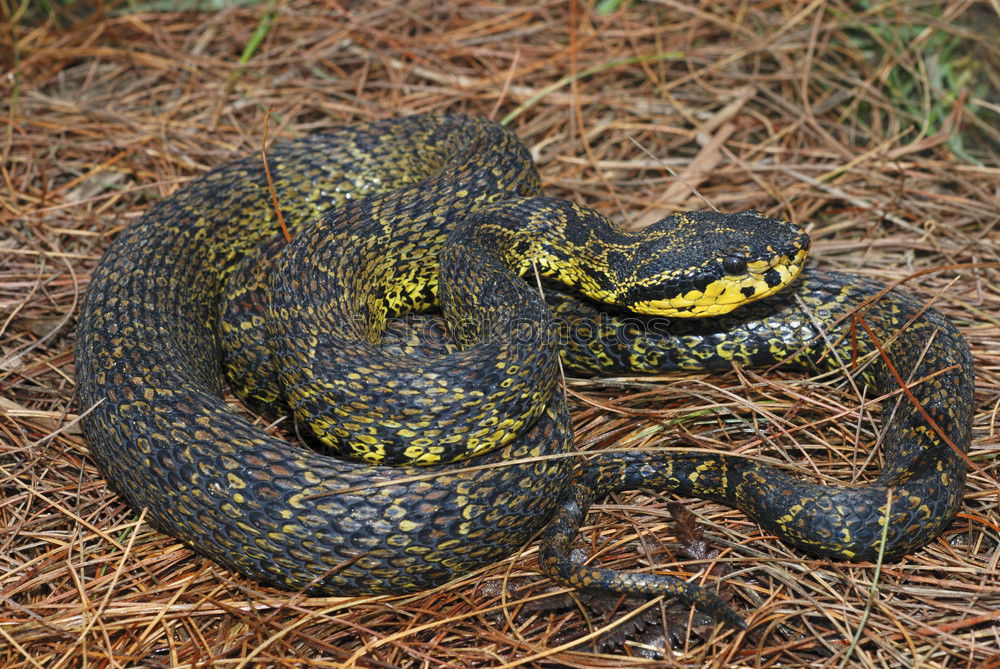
(445, 211)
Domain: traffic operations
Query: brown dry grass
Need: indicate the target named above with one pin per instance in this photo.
(756, 104)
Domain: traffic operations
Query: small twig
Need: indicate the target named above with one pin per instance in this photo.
(913, 398)
(875, 577)
(270, 181)
(673, 173)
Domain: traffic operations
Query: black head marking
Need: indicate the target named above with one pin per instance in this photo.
(772, 278)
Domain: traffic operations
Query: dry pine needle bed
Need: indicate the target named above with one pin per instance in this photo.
(875, 128)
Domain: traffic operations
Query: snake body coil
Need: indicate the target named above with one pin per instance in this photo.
(372, 207)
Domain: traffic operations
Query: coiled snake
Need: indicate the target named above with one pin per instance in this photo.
(402, 215)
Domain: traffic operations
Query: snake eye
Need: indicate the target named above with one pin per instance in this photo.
(734, 265)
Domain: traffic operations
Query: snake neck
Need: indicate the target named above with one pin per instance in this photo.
(556, 239)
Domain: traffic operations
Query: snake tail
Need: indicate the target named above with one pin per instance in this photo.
(557, 561)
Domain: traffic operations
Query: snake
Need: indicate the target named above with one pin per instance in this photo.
(431, 448)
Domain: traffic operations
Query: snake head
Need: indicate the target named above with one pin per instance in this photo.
(708, 263)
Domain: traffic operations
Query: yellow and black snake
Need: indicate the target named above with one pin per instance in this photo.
(425, 211)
